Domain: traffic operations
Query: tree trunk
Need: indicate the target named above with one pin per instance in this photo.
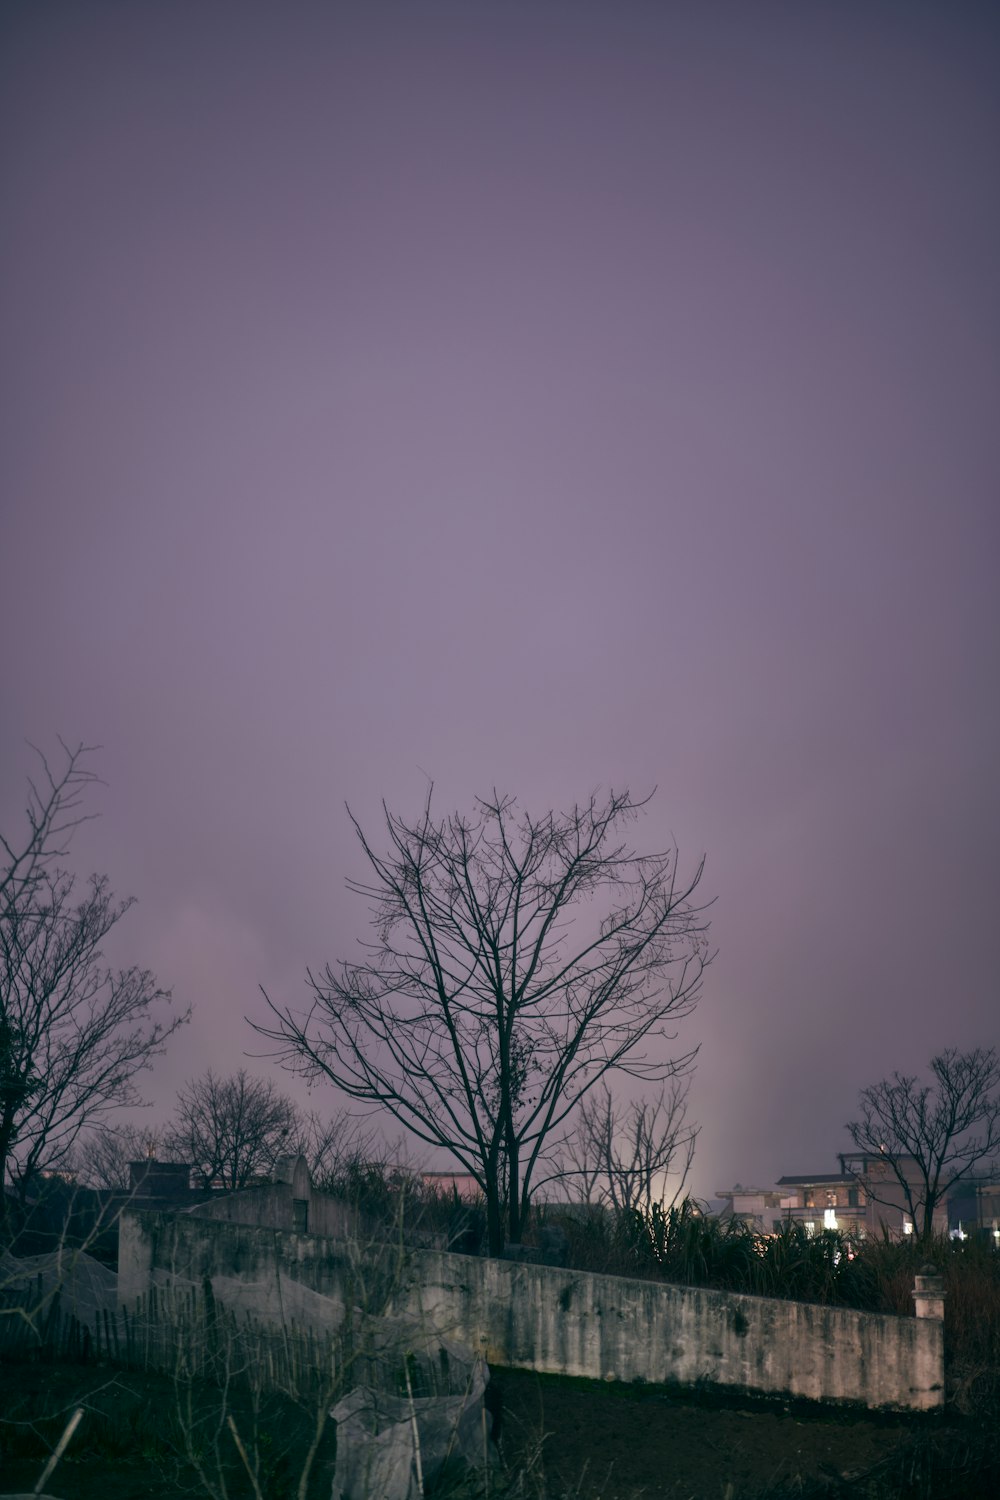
(7, 1134)
(927, 1228)
(494, 1219)
(494, 1206)
(514, 1193)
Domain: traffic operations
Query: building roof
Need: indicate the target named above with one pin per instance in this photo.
(744, 1192)
(810, 1179)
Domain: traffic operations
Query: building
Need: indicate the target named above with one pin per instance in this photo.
(161, 1184)
(888, 1208)
(864, 1197)
(974, 1206)
(826, 1200)
(760, 1208)
(287, 1201)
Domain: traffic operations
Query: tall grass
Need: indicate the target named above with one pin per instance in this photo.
(683, 1244)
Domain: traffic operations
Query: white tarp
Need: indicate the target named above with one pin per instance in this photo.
(85, 1287)
(384, 1440)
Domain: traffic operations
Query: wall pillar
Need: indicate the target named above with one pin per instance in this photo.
(929, 1293)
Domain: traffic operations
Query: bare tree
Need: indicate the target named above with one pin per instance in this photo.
(73, 1033)
(473, 1019)
(232, 1129)
(331, 1146)
(626, 1154)
(931, 1135)
(337, 1145)
(102, 1160)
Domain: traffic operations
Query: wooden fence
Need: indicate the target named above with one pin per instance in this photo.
(185, 1334)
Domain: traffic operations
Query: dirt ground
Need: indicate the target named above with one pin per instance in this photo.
(622, 1442)
(568, 1438)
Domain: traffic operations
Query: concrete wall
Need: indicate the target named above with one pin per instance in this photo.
(158, 1247)
(616, 1328)
(274, 1206)
(575, 1323)
(288, 1202)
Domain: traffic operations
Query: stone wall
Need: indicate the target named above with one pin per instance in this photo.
(575, 1323)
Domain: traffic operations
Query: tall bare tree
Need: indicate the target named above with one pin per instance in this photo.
(73, 1033)
(628, 1155)
(232, 1129)
(475, 1018)
(931, 1135)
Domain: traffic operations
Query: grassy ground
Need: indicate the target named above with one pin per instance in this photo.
(144, 1434)
(559, 1438)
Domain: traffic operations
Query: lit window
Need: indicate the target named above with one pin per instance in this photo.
(907, 1226)
(829, 1219)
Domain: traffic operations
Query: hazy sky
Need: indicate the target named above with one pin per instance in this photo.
(541, 396)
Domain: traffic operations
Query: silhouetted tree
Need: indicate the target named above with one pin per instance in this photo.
(337, 1149)
(474, 1019)
(931, 1135)
(625, 1154)
(73, 1034)
(232, 1129)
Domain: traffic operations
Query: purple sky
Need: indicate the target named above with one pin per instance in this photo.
(539, 396)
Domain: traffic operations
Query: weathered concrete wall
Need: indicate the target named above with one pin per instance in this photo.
(569, 1322)
(289, 1202)
(155, 1247)
(273, 1206)
(610, 1327)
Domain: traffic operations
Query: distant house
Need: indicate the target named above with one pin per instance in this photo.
(974, 1206)
(864, 1197)
(760, 1208)
(887, 1201)
(826, 1200)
